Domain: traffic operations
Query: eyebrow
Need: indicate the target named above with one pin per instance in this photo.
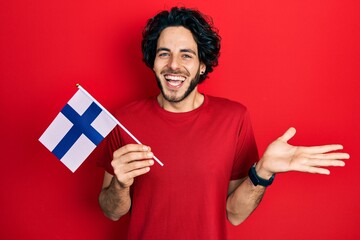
(181, 50)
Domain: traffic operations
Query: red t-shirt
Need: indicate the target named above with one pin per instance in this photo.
(202, 150)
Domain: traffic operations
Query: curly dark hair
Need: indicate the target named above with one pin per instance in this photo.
(201, 27)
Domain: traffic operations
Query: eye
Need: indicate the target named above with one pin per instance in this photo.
(163, 54)
(187, 56)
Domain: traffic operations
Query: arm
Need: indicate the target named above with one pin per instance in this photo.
(279, 157)
(242, 200)
(129, 162)
(114, 200)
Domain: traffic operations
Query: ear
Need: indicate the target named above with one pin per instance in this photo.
(202, 68)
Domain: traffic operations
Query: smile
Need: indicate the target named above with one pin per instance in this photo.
(169, 77)
(174, 80)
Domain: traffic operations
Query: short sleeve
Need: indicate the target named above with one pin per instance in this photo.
(246, 149)
(113, 142)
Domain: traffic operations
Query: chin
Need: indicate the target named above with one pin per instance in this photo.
(177, 97)
(173, 99)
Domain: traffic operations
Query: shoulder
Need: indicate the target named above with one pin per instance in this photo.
(227, 105)
(136, 107)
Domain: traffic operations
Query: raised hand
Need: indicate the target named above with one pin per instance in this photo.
(130, 161)
(283, 157)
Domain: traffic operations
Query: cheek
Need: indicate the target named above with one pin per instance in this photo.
(193, 68)
(158, 65)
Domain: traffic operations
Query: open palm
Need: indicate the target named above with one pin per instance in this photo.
(283, 157)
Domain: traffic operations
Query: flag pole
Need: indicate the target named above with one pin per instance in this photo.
(115, 120)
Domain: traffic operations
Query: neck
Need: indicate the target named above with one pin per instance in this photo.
(191, 102)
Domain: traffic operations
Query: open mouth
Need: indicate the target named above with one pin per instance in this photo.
(174, 80)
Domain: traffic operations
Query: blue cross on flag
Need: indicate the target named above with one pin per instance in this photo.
(76, 131)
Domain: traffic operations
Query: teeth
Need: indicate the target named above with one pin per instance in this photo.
(174, 78)
(175, 83)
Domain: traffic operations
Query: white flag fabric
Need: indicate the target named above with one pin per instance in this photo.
(76, 131)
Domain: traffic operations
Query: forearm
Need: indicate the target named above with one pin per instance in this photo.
(115, 200)
(243, 201)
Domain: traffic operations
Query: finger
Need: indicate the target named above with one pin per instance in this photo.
(312, 169)
(325, 163)
(330, 156)
(322, 149)
(137, 165)
(288, 134)
(127, 179)
(138, 172)
(136, 156)
(130, 148)
(128, 158)
(318, 170)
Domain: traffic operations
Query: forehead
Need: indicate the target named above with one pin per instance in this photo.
(176, 38)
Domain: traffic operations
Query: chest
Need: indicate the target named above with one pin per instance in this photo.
(198, 152)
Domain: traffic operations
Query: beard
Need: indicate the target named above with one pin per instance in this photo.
(173, 99)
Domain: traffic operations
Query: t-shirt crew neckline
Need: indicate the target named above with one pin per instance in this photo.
(178, 115)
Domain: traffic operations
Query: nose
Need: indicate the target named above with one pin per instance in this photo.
(173, 63)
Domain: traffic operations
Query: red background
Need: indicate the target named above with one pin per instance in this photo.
(293, 63)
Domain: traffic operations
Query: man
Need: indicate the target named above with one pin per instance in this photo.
(206, 143)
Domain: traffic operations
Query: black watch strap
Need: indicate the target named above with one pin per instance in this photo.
(256, 180)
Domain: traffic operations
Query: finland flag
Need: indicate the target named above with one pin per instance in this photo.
(76, 131)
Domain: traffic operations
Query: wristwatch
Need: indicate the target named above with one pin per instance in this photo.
(256, 180)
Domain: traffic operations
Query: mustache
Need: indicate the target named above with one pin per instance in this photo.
(171, 71)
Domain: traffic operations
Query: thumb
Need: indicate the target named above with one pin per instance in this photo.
(288, 134)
